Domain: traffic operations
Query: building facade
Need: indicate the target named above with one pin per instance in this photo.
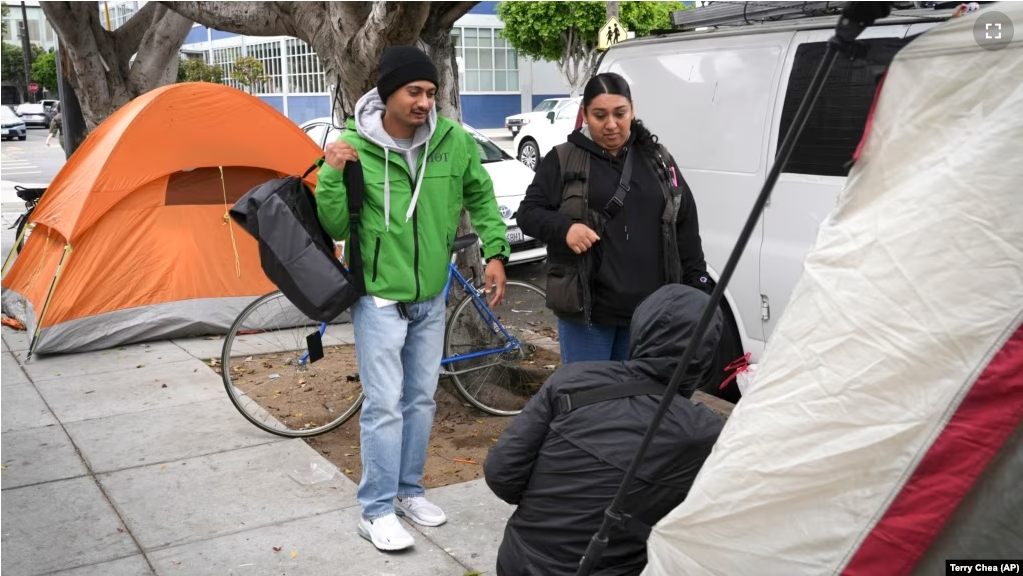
(494, 81)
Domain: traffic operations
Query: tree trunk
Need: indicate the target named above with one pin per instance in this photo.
(99, 62)
(612, 9)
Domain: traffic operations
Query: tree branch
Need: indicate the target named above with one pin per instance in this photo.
(391, 23)
(249, 18)
(131, 33)
(445, 14)
(67, 18)
(157, 51)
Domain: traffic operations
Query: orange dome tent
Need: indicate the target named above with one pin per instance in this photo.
(132, 241)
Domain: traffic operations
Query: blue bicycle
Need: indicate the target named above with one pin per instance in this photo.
(296, 377)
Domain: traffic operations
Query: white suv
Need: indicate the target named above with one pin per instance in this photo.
(537, 138)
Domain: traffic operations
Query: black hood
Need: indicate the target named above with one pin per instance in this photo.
(661, 329)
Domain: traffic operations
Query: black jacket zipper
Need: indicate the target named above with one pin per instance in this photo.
(376, 259)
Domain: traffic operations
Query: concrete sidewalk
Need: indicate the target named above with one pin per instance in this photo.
(133, 461)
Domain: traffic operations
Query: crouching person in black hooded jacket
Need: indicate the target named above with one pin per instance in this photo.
(561, 460)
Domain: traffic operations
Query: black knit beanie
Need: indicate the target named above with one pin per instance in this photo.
(400, 65)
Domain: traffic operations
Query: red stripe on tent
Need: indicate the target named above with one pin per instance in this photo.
(991, 411)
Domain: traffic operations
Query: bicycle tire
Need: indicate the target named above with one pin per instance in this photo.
(466, 306)
(225, 361)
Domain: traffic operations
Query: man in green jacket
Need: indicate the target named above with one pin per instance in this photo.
(419, 170)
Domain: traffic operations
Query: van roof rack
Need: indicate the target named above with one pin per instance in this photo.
(743, 13)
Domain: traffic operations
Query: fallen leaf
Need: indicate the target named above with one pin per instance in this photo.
(277, 548)
(163, 386)
(141, 366)
(348, 471)
(479, 421)
(3, 467)
(164, 467)
(175, 563)
(494, 440)
(464, 461)
(475, 433)
(294, 553)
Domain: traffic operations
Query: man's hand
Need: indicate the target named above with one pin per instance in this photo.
(581, 238)
(496, 282)
(340, 153)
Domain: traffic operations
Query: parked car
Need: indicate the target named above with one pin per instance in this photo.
(49, 105)
(516, 122)
(13, 126)
(537, 138)
(722, 101)
(510, 178)
(34, 115)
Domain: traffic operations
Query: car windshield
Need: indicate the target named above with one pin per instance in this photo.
(489, 152)
(8, 115)
(545, 106)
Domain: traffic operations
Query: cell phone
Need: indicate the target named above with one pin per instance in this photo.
(315, 345)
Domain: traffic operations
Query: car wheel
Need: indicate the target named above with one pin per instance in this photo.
(529, 154)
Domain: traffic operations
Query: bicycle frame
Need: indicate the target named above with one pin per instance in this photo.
(481, 308)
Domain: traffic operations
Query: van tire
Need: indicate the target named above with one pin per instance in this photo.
(728, 350)
(529, 154)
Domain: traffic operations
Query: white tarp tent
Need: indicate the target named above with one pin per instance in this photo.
(882, 433)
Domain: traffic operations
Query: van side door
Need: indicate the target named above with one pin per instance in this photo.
(808, 187)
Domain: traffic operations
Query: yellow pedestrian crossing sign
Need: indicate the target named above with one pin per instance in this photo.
(611, 33)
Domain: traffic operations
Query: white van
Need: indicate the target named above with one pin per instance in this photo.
(721, 100)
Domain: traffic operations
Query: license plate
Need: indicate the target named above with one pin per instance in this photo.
(514, 236)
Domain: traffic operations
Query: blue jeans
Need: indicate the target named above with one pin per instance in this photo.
(596, 342)
(399, 365)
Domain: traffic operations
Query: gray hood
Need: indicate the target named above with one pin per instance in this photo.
(369, 122)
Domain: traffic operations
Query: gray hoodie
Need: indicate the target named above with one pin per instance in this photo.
(369, 121)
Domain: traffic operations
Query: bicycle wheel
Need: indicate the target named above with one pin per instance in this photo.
(500, 376)
(270, 379)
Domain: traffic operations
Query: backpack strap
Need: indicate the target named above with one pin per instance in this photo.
(617, 202)
(569, 402)
(575, 171)
(355, 185)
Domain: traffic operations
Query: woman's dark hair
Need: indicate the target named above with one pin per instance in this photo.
(611, 83)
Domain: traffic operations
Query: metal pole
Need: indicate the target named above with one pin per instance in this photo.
(26, 48)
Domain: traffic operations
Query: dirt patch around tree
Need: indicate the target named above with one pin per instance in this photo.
(461, 437)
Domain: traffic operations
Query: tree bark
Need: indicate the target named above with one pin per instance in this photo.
(612, 9)
(99, 61)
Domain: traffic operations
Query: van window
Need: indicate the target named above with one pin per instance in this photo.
(839, 117)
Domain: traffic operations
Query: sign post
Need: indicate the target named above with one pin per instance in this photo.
(611, 33)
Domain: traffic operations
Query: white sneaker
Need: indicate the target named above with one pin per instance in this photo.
(386, 533)
(420, 510)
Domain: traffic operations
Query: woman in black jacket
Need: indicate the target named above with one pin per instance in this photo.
(610, 243)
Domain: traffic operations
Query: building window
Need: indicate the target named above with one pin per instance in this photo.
(269, 53)
(488, 63)
(305, 75)
(120, 12)
(225, 57)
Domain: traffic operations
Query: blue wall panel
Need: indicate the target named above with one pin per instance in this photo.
(537, 98)
(275, 101)
(304, 108)
(484, 8)
(197, 34)
(489, 110)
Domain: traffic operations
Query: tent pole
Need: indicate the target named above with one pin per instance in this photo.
(856, 16)
(49, 297)
(17, 242)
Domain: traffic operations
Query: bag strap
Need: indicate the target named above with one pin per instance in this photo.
(615, 204)
(569, 402)
(355, 185)
(317, 164)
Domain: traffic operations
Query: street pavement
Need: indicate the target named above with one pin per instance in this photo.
(133, 461)
(28, 162)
